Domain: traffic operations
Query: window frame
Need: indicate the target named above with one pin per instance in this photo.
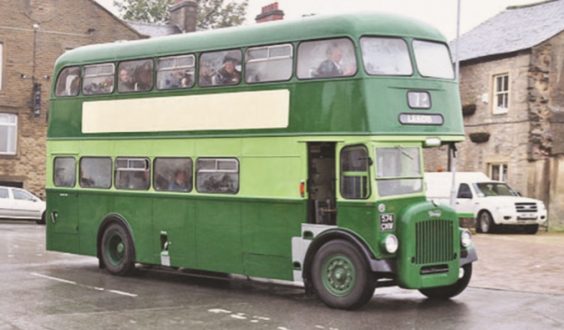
(15, 125)
(113, 75)
(156, 72)
(241, 73)
(55, 171)
(80, 172)
(297, 61)
(368, 174)
(416, 64)
(409, 54)
(292, 58)
(495, 94)
(419, 177)
(148, 168)
(191, 178)
(1, 66)
(197, 171)
(116, 75)
(503, 175)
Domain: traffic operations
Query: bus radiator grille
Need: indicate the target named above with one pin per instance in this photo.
(434, 241)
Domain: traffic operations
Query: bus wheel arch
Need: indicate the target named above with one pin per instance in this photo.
(330, 255)
(115, 246)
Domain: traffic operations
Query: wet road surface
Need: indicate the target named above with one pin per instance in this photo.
(48, 290)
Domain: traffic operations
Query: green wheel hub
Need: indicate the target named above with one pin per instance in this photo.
(339, 275)
(115, 249)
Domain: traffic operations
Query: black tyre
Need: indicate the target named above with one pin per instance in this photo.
(341, 277)
(117, 251)
(486, 223)
(42, 220)
(531, 229)
(447, 292)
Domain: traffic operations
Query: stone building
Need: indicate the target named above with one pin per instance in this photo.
(33, 33)
(512, 90)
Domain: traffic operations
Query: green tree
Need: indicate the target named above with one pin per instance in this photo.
(212, 14)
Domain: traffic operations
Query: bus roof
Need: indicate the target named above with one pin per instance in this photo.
(275, 32)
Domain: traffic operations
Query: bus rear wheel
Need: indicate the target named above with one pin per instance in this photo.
(447, 292)
(117, 251)
(340, 276)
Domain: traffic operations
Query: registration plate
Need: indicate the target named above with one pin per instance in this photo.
(527, 216)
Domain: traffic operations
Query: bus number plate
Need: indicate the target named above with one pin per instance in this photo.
(386, 222)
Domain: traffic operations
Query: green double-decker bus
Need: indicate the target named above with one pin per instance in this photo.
(288, 151)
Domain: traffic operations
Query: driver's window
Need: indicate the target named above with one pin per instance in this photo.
(464, 191)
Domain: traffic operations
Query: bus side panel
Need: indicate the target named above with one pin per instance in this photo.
(62, 222)
(360, 218)
(218, 235)
(268, 228)
(93, 207)
(174, 221)
(136, 209)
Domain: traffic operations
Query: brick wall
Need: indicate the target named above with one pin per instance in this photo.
(61, 25)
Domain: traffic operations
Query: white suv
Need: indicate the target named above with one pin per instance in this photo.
(492, 203)
(17, 203)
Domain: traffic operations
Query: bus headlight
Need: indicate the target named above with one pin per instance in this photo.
(390, 243)
(465, 238)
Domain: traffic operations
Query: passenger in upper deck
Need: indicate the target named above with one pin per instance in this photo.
(332, 66)
(228, 74)
(125, 83)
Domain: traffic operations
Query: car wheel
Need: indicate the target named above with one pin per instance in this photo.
(531, 229)
(447, 292)
(42, 220)
(341, 277)
(485, 222)
(117, 250)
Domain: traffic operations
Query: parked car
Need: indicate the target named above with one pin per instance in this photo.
(493, 203)
(17, 203)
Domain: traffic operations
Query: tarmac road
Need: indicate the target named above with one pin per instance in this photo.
(517, 284)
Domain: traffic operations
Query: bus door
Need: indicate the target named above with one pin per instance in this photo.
(322, 208)
(62, 210)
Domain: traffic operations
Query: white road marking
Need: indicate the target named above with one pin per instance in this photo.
(54, 278)
(238, 317)
(219, 310)
(62, 280)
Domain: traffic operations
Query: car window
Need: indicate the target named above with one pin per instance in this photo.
(464, 191)
(22, 195)
(4, 193)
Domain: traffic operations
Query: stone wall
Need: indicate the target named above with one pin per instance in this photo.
(509, 133)
(60, 25)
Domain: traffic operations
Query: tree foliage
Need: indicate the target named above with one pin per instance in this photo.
(212, 14)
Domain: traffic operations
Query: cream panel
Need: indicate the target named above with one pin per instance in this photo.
(226, 111)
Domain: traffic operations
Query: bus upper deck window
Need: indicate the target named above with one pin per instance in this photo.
(175, 72)
(268, 63)
(385, 56)
(433, 59)
(68, 82)
(135, 76)
(220, 68)
(98, 79)
(326, 59)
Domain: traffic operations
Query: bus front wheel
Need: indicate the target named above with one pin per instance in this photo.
(340, 276)
(447, 292)
(117, 251)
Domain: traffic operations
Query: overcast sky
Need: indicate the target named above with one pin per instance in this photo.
(440, 13)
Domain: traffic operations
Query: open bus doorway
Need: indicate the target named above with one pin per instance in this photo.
(322, 207)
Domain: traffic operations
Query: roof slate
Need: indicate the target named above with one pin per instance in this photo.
(516, 28)
(154, 30)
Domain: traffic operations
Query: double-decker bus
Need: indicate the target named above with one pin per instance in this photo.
(287, 151)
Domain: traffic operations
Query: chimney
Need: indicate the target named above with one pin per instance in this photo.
(270, 13)
(184, 14)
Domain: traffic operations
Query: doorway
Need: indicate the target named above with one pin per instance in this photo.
(322, 206)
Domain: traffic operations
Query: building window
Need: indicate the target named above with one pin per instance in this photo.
(498, 172)
(1, 63)
(501, 93)
(8, 133)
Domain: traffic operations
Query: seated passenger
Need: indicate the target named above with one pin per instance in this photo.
(228, 74)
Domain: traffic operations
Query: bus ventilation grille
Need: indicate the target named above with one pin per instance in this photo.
(434, 241)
